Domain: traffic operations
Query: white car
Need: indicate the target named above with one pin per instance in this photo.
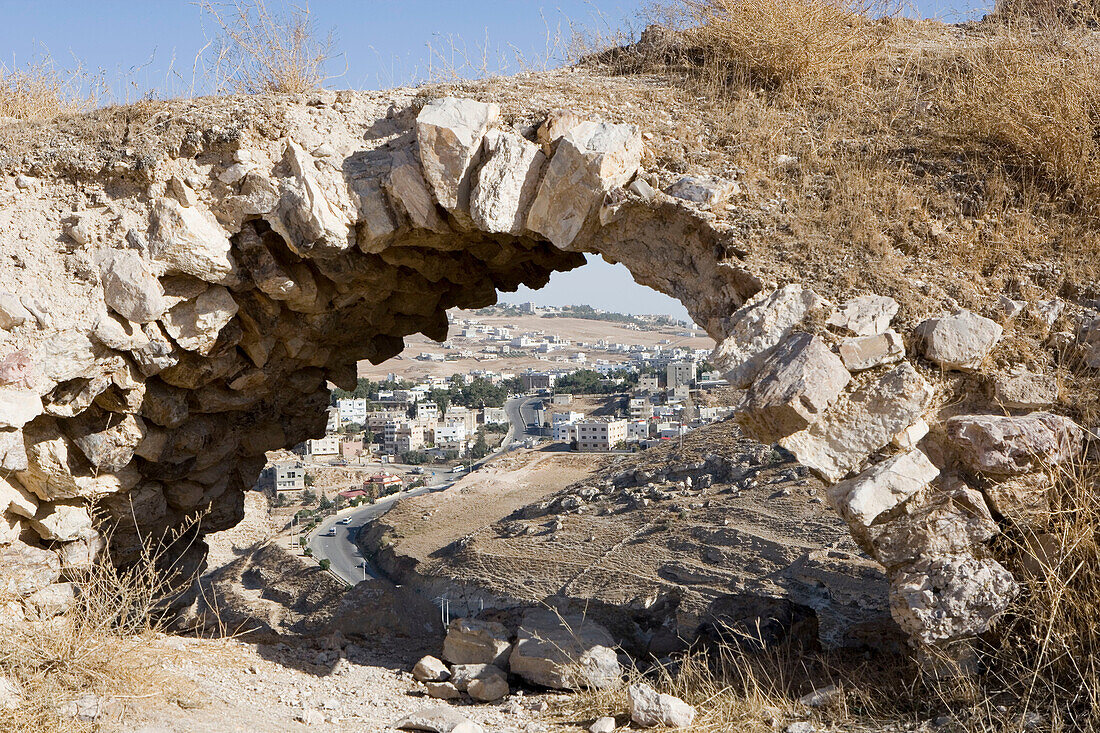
(345, 520)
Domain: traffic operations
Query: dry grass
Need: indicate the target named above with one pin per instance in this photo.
(262, 49)
(100, 645)
(41, 91)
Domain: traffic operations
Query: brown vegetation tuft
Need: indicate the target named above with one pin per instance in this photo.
(41, 92)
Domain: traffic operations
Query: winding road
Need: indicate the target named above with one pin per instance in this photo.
(340, 549)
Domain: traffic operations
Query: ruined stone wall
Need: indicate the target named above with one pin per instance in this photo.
(168, 317)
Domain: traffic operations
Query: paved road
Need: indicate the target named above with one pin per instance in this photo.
(341, 550)
(521, 413)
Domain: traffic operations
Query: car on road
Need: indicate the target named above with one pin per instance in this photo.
(345, 520)
(458, 469)
(416, 470)
(331, 532)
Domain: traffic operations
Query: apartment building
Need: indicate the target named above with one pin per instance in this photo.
(352, 410)
(679, 373)
(289, 476)
(600, 435)
(327, 446)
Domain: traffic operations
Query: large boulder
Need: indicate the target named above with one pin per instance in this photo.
(650, 709)
(882, 487)
(106, 439)
(473, 641)
(438, 719)
(861, 423)
(430, 669)
(865, 315)
(958, 341)
(1024, 390)
(450, 132)
(799, 380)
(305, 217)
(564, 653)
(506, 183)
(1000, 444)
(129, 287)
(189, 241)
(62, 522)
(591, 159)
(860, 353)
(489, 686)
(196, 324)
(757, 328)
(941, 598)
(25, 569)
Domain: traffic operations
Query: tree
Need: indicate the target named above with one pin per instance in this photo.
(308, 497)
(481, 447)
(325, 504)
(308, 552)
(351, 428)
(325, 563)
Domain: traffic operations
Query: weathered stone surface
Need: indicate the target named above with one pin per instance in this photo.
(129, 286)
(11, 529)
(304, 216)
(557, 123)
(442, 691)
(882, 487)
(410, 194)
(463, 674)
(12, 312)
(57, 470)
(797, 382)
(1000, 444)
(1024, 390)
(949, 519)
(489, 686)
(650, 709)
(25, 569)
(62, 522)
(704, 190)
(861, 423)
(949, 597)
(606, 724)
(958, 341)
(567, 654)
(430, 669)
(506, 183)
(865, 315)
(1023, 500)
(53, 600)
(472, 641)
(195, 325)
(14, 499)
(907, 439)
(106, 439)
(189, 241)
(440, 719)
(13, 455)
(18, 407)
(450, 132)
(759, 326)
(590, 160)
(866, 352)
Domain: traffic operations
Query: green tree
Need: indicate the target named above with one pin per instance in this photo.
(325, 503)
(325, 563)
(308, 552)
(308, 497)
(481, 447)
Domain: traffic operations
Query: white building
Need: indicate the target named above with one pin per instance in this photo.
(600, 435)
(566, 417)
(679, 373)
(427, 410)
(352, 410)
(289, 476)
(495, 415)
(640, 408)
(333, 423)
(564, 432)
(327, 446)
(637, 430)
(449, 435)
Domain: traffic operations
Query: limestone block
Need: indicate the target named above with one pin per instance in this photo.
(11, 528)
(442, 691)
(62, 522)
(180, 191)
(707, 191)
(375, 226)
(129, 286)
(305, 217)
(57, 469)
(14, 499)
(758, 327)
(506, 183)
(1023, 500)
(12, 312)
(861, 423)
(195, 325)
(66, 356)
(463, 674)
(157, 353)
(959, 341)
(449, 132)
(440, 719)
(650, 709)
(25, 569)
(941, 598)
(866, 352)
(1024, 390)
(590, 160)
(567, 654)
(949, 519)
(13, 456)
(1001, 444)
(190, 241)
(409, 192)
(553, 128)
(80, 555)
(796, 384)
(490, 685)
(865, 315)
(430, 669)
(18, 407)
(106, 439)
(53, 600)
(472, 641)
(882, 487)
(908, 438)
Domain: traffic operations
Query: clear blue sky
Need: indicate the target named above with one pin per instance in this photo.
(142, 45)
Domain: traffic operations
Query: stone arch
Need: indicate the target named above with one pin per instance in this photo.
(224, 286)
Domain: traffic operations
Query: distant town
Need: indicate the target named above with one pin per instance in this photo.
(643, 383)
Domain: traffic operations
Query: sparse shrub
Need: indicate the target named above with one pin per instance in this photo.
(260, 49)
(41, 91)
